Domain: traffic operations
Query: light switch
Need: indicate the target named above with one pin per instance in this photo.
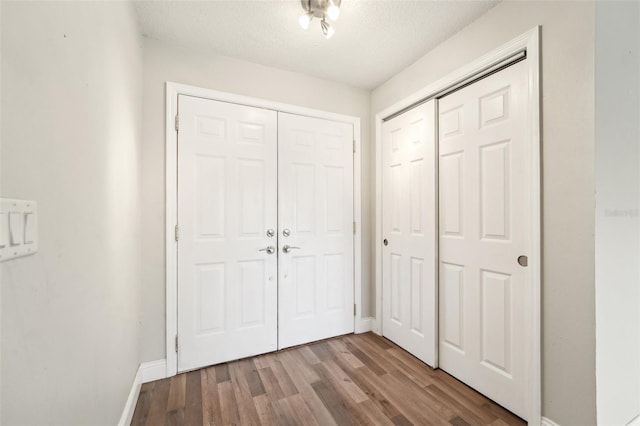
(16, 228)
(29, 227)
(4, 229)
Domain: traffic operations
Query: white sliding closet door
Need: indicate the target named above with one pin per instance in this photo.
(227, 192)
(409, 230)
(315, 215)
(485, 223)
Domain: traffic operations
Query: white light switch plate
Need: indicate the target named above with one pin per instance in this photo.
(18, 228)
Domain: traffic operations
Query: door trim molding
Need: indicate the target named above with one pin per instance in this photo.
(172, 90)
(528, 42)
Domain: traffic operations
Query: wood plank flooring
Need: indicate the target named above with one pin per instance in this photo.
(359, 379)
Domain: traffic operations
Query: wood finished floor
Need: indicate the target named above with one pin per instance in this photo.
(354, 379)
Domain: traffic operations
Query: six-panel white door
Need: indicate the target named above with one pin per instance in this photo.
(409, 231)
(315, 215)
(485, 221)
(227, 191)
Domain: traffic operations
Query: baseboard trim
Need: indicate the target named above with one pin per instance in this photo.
(547, 422)
(147, 372)
(635, 421)
(130, 405)
(364, 325)
(153, 370)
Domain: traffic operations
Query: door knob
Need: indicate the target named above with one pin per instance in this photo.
(269, 249)
(286, 232)
(271, 233)
(385, 242)
(287, 248)
(523, 260)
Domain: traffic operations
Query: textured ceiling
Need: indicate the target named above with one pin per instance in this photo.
(374, 39)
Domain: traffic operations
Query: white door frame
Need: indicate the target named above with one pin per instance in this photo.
(171, 199)
(529, 44)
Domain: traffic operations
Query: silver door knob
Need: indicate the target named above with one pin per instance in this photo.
(287, 248)
(523, 260)
(286, 232)
(269, 249)
(271, 233)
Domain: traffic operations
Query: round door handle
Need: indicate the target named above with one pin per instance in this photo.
(286, 232)
(523, 260)
(385, 242)
(271, 233)
(269, 249)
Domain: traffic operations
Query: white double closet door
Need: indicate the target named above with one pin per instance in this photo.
(465, 279)
(265, 247)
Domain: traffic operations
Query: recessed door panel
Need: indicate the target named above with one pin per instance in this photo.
(252, 293)
(304, 278)
(452, 305)
(495, 192)
(485, 224)
(209, 298)
(315, 197)
(304, 201)
(251, 192)
(451, 194)
(334, 209)
(495, 327)
(210, 195)
(416, 273)
(409, 231)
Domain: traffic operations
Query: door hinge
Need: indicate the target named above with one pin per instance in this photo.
(354, 309)
(177, 122)
(177, 233)
(176, 343)
(354, 227)
(354, 146)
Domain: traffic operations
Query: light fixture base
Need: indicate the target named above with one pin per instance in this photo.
(321, 9)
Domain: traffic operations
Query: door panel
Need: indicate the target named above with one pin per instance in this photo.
(484, 225)
(227, 177)
(315, 197)
(409, 226)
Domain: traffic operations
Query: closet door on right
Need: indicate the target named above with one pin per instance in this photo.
(484, 228)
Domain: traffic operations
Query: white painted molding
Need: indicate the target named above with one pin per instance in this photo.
(132, 400)
(147, 372)
(364, 325)
(547, 422)
(635, 421)
(154, 370)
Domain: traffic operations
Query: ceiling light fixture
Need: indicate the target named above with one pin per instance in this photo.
(327, 29)
(321, 9)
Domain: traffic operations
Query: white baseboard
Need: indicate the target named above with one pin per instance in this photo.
(364, 325)
(635, 421)
(547, 422)
(153, 370)
(132, 400)
(147, 372)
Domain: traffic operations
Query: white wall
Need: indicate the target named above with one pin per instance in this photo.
(568, 180)
(164, 63)
(617, 211)
(71, 131)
